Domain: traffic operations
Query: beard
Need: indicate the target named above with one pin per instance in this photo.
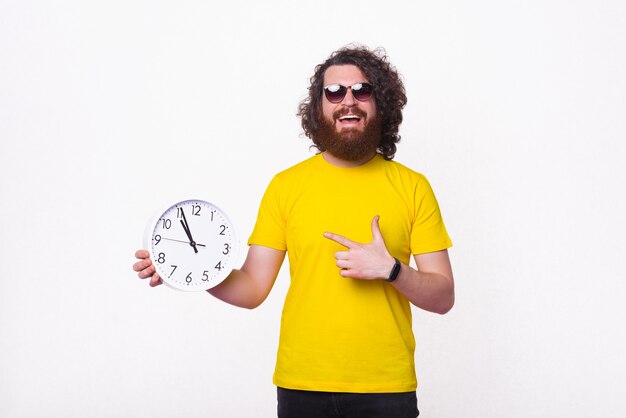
(349, 144)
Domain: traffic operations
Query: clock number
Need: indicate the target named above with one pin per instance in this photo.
(218, 266)
(205, 276)
(173, 270)
(157, 238)
(167, 223)
(195, 210)
(226, 249)
(212, 213)
(161, 258)
(223, 229)
(188, 278)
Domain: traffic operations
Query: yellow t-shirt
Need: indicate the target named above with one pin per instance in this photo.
(338, 334)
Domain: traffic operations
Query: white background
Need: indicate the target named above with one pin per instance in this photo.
(109, 110)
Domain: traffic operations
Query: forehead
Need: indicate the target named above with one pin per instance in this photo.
(344, 74)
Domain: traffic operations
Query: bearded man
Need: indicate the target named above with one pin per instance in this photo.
(349, 220)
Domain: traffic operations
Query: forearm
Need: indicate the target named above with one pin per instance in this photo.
(433, 292)
(239, 289)
(249, 286)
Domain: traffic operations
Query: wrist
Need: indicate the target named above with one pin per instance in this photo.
(395, 270)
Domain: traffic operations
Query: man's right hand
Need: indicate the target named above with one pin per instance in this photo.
(145, 269)
(246, 287)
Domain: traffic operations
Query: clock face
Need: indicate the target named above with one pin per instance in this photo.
(193, 245)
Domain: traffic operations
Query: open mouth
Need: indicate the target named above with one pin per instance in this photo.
(349, 118)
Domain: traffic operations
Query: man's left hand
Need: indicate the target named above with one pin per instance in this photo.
(363, 261)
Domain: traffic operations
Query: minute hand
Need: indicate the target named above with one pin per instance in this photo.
(185, 225)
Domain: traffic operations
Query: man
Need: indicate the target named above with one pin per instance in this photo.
(349, 219)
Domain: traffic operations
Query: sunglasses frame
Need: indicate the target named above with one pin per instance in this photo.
(356, 89)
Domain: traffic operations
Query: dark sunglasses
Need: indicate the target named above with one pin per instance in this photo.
(335, 93)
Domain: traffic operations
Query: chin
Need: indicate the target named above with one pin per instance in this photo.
(350, 133)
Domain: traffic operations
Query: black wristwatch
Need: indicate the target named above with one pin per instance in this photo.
(394, 271)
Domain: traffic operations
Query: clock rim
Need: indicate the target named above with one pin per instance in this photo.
(147, 243)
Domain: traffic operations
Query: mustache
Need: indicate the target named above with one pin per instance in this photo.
(349, 111)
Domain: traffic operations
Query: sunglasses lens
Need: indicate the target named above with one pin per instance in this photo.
(335, 93)
(362, 91)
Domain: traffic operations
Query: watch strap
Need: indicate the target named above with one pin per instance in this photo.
(394, 271)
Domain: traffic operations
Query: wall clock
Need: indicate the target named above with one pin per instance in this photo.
(193, 245)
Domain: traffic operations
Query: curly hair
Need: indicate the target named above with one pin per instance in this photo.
(389, 94)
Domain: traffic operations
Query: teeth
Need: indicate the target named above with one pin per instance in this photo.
(348, 117)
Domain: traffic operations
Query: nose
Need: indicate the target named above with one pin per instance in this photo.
(349, 100)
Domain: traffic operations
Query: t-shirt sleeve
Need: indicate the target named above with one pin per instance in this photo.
(269, 230)
(428, 232)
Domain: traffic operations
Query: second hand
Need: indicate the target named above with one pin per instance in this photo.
(185, 242)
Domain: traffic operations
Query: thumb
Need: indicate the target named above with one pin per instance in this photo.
(376, 234)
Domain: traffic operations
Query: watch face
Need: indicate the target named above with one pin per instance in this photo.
(193, 245)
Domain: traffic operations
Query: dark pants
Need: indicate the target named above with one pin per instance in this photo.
(305, 404)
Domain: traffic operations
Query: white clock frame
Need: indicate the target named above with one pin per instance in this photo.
(198, 264)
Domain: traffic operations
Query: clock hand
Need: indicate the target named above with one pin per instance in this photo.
(186, 242)
(191, 241)
(185, 225)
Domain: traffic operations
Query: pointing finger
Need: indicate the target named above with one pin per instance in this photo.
(339, 239)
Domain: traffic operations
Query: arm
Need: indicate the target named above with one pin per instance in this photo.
(247, 287)
(430, 287)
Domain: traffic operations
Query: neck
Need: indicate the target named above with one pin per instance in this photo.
(331, 159)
